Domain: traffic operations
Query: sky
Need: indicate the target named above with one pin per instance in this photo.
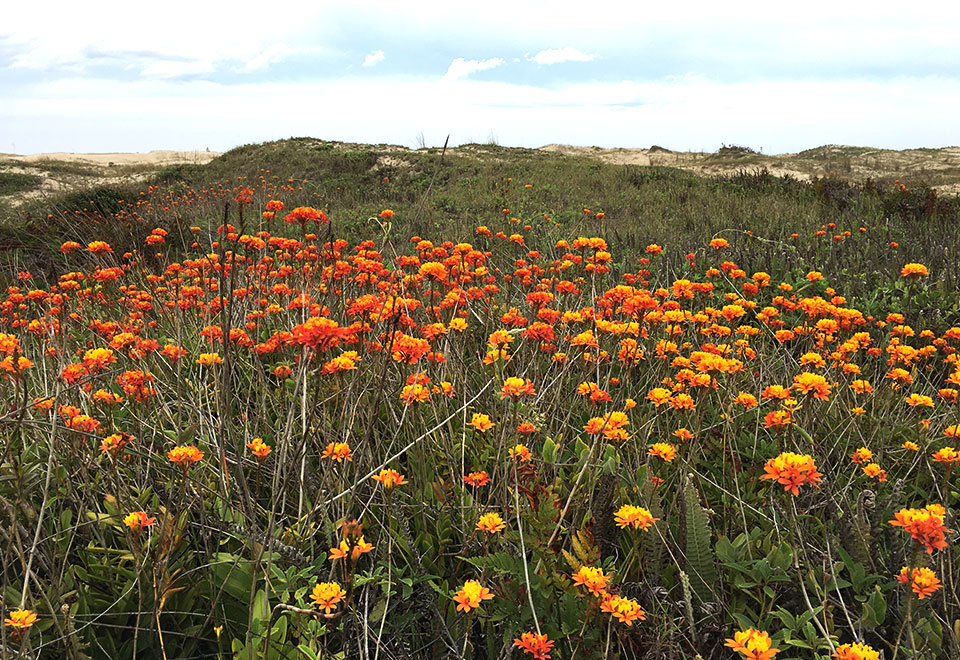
(107, 76)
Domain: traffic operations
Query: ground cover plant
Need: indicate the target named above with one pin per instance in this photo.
(264, 418)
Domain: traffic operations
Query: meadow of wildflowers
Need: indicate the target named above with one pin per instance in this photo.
(246, 435)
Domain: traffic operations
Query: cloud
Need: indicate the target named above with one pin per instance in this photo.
(374, 58)
(268, 56)
(177, 69)
(560, 55)
(461, 67)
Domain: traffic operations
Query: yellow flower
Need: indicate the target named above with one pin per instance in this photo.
(326, 595)
(491, 523)
(471, 595)
(20, 619)
(634, 516)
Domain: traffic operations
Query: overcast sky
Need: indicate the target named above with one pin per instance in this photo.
(134, 76)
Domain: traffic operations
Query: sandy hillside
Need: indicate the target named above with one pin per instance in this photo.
(58, 172)
(158, 158)
(937, 168)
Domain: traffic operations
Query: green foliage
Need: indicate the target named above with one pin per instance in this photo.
(15, 182)
(699, 556)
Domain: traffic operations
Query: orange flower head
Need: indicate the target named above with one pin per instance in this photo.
(389, 479)
(477, 479)
(634, 516)
(946, 455)
(138, 520)
(538, 646)
(623, 610)
(338, 451)
(924, 525)
(345, 549)
(100, 247)
(20, 620)
(923, 581)
(185, 455)
(326, 595)
(481, 422)
(664, 450)
(592, 579)
(516, 387)
(862, 455)
(520, 453)
(259, 448)
(914, 271)
(856, 652)
(875, 472)
(491, 523)
(752, 644)
(471, 596)
(792, 470)
(813, 384)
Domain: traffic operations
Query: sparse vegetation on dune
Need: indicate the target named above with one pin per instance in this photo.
(320, 401)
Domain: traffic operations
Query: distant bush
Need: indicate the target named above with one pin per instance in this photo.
(15, 182)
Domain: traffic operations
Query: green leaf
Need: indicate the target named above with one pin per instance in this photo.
(699, 554)
(549, 451)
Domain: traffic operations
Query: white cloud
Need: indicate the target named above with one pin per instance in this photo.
(105, 115)
(270, 55)
(177, 69)
(374, 58)
(461, 67)
(560, 55)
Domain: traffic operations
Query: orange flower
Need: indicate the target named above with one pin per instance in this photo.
(874, 471)
(99, 247)
(97, 359)
(337, 451)
(477, 479)
(390, 479)
(209, 359)
(623, 609)
(719, 243)
(415, 393)
(326, 595)
(856, 652)
(259, 448)
(592, 579)
(634, 516)
(491, 523)
(344, 549)
(925, 526)
(138, 520)
(516, 387)
(862, 455)
(520, 454)
(113, 444)
(538, 646)
(471, 596)
(20, 620)
(664, 450)
(481, 422)
(792, 470)
(923, 581)
(946, 455)
(813, 384)
(185, 454)
(914, 271)
(919, 400)
(752, 644)
(304, 214)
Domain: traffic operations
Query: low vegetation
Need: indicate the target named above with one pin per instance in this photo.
(310, 401)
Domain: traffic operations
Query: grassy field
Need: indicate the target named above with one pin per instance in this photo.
(315, 400)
